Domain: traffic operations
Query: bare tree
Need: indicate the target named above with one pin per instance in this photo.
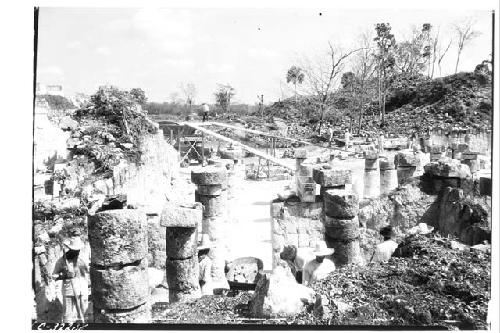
(464, 34)
(321, 77)
(189, 92)
(441, 54)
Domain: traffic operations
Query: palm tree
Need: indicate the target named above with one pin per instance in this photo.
(295, 75)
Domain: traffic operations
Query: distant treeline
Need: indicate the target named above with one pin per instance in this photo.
(177, 109)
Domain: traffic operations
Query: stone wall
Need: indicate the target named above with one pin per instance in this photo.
(295, 223)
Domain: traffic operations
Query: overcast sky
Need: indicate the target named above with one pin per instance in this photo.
(251, 49)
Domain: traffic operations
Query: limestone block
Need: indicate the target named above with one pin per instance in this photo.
(141, 314)
(474, 165)
(436, 156)
(213, 205)
(386, 164)
(438, 149)
(303, 240)
(341, 203)
(292, 239)
(209, 190)
(371, 164)
(210, 175)
(277, 227)
(182, 275)
(276, 208)
(278, 241)
(388, 180)
(181, 243)
(332, 177)
(406, 159)
(342, 229)
(304, 170)
(470, 156)
(456, 155)
(405, 173)
(183, 215)
(118, 236)
(372, 184)
(300, 153)
(447, 168)
(124, 288)
(370, 155)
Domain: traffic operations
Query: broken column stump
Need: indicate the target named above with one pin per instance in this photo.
(371, 175)
(406, 164)
(181, 223)
(210, 180)
(446, 173)
(306, 188)
(341, 223)
(118, 270)
(388, 175)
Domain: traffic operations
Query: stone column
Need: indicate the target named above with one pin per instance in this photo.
(211, 184)
(181, 223)
(306, 189)
(228, 164)
(371, 175)
(406, 163)
(118, 270)
(388, 175)
(341, 222)
(330, 178)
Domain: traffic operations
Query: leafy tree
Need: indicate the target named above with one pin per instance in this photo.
(295, 75)
(385, 62)
(413, 56)
(464, 35)
(139, 96)
(223, 96)
(189, 92)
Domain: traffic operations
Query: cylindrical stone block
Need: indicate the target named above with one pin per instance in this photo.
(118, 236)
(182, 278)
(181, 243)
(213, 205)
(323, 189)
(371, 164)
(215, 227)
(341, 204)
(372, 184)
(121, 289)
(209, 189)
(388, 180)
(218, 254)
(209, 176)
(405, 173)
(346, 252)
(342, 229)
(138, 315)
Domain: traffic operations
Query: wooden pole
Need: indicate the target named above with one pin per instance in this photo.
(202, 148)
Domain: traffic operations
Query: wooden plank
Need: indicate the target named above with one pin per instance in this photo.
(245, 147)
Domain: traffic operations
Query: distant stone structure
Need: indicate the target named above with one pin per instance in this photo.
(51, 89)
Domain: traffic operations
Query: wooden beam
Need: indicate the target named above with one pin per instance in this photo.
(245, 147)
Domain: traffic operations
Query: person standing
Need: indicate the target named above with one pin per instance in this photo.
(296, 258)
(205, 109)
(73, 272)
(205, 265)
(321, 266)
(383, 251)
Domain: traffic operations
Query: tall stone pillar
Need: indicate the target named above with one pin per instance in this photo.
(118, 271)
(388, 175)
(181, 223)
(341, 222)
(372, 175)
(406, 163)
(211, 193)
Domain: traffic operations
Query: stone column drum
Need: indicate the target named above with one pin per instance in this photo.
(306, 189)
(341, 223)
(118, 269)
(406, 163)
(371, 176)
(211, 184)
(388, 175)
(181, 223)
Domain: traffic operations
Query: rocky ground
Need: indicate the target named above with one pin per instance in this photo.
(431, 281)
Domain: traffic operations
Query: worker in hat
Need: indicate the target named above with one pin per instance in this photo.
(321, 266)
(73, 272)
(205, 110)
(384, 250)
(205, 265)
(296, 258)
